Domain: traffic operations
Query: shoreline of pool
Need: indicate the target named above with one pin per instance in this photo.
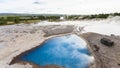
(32, 40)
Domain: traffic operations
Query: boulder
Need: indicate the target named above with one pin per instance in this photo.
(107, 42)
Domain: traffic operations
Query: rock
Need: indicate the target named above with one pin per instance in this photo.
(112, 35)
(107, 42)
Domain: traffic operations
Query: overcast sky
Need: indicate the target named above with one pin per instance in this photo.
(60, 6)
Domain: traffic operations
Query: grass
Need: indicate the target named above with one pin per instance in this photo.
(16, 19)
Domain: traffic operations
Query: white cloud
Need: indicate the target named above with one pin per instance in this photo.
(60, 6)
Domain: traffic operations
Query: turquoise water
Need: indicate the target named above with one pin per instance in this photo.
(68, 51)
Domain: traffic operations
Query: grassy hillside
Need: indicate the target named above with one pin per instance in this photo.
(8, 18)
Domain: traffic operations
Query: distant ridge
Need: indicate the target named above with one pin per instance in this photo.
(25, 14)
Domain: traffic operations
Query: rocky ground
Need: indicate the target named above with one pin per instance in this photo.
(16, 39)
(107, 53)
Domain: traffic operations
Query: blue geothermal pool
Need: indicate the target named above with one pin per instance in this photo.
(69, 51)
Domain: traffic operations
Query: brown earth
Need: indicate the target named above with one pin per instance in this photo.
(105, 56)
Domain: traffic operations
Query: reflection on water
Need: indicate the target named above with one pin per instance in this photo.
(69, 51)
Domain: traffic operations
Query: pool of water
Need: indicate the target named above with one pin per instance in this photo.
(69, 51)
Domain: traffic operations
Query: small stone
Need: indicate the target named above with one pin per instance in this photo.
(96, 48)
(112, 35)
(118, 64)
(107, 42)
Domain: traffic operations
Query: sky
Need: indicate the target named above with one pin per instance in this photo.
(60, 6)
